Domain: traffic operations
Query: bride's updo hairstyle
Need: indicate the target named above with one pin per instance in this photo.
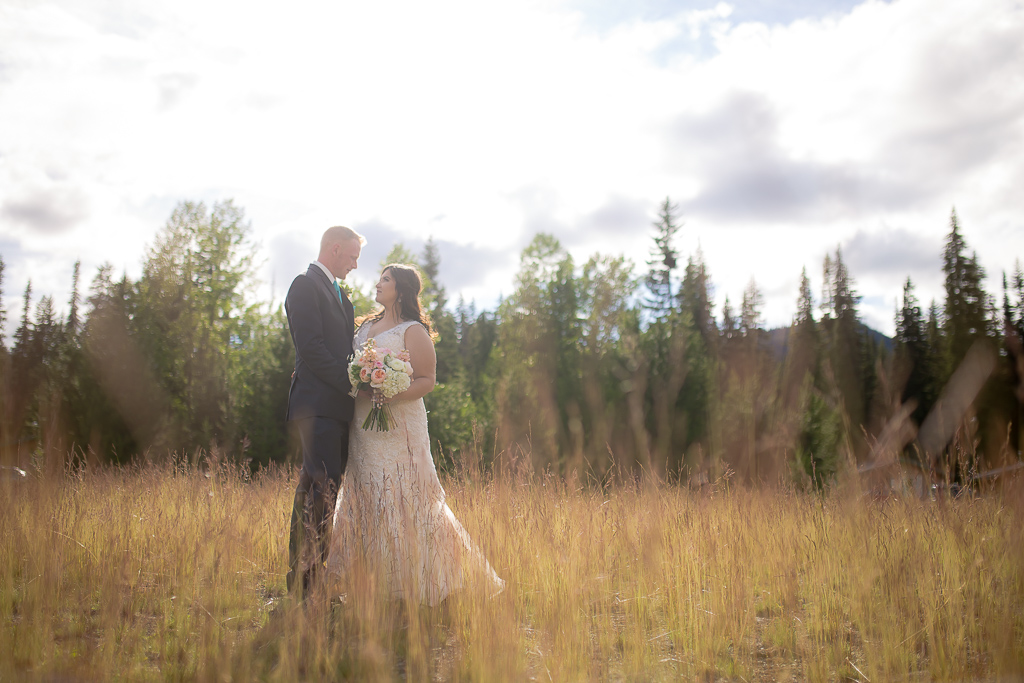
(408, 284)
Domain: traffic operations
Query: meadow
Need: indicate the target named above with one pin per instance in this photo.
(176, 572)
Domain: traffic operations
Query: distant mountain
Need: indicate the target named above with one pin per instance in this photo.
(778, 340)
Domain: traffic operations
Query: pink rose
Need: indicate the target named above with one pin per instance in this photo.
(364, 374)
(377, 376)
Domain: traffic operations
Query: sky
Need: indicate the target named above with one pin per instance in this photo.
(782, 129)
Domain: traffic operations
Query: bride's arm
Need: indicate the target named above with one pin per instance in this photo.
(424, 364)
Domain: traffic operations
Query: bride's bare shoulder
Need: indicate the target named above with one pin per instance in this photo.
(416, 329)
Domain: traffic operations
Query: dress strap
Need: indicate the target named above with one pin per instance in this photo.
(362, 333)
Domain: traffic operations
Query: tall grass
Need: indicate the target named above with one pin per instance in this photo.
(176, 573)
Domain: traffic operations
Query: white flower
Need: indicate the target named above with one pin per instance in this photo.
(395, 383)
(396, 364)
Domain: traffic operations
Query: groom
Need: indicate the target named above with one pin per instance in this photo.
(321, 322)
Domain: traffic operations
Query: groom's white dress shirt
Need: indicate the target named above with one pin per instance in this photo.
(328, 273)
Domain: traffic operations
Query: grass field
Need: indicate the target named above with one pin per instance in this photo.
(178, 574)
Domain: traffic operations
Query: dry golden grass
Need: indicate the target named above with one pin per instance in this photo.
(176, 574)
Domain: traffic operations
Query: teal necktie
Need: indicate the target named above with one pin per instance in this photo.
(337, 288)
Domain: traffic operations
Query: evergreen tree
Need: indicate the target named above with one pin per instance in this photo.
(965, 316)
(751, 320)
(821, 431)
(730, 329)
(828, 303)
(1014, 343)
(609, 329)
(804, 304)
(936, 346)
(913, 355)
(749, 384)
(848, 367)
(72, 397)
(536, 365)
(192, 297)
(478, 336)
(664, 258)
(125, 408)
(431, 271)
(446, 346)
(697, 325)
(801, 358)
(23, 335)
(695, 297)
(73, 316)
(3, 311)
(1017, 311)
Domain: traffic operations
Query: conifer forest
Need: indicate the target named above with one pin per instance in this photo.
(600, 370)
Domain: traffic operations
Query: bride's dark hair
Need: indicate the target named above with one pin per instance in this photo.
(408, 284)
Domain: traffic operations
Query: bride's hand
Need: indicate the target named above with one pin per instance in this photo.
(377, 397)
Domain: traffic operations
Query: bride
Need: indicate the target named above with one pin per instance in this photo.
(391, 512)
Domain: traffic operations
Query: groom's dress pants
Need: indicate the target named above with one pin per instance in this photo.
(324, 455)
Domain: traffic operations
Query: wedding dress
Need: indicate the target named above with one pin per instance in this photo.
(391, 512)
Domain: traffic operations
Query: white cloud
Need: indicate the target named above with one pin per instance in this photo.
(502, 119)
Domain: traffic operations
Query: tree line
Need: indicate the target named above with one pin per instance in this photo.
(585, 367)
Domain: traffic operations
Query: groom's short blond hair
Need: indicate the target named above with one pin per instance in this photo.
(338, 234)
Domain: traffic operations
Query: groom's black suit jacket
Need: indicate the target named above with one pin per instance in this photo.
(321, 326)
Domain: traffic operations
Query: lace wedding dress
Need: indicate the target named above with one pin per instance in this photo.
(391, 512)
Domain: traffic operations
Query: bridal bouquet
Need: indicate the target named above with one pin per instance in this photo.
(385, 372)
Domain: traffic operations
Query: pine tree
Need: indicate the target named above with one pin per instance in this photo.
(3, 311)
(73, 317)
(697, 325)
(751, 320)
(730, 330)
(194, 291)
(23, 335)
(965, 316)
(25, 365)
(801, 359)
(804, 303)
(695, 297)
(663, 261)
(936, 344)
(844, 342)
(446, 346)
(1017, 311)
(431, 269)
(913, 355)
(1014, 342)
